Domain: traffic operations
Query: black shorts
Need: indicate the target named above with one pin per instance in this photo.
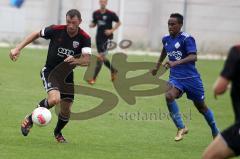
(102, 43)
(45, 72)
(232, 137)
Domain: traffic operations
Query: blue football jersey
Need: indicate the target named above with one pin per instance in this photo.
(178, 48)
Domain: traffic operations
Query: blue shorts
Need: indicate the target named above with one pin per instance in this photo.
(192, 86)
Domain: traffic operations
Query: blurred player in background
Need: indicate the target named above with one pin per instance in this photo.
(227, 144)
(103, 19)
(66, 42)
(184, 77)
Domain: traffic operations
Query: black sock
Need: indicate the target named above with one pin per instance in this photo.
(30, 118)
(108, 65)
(62, 121)
(97, 69)
(44, 103)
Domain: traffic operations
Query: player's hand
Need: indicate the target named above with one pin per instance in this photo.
(171, 64)
(154, 71)
(14, 54)
(71, 60)
(108, 32)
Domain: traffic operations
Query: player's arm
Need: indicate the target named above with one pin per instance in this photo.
(115, 27)
(220, 86)
(84, 59)
(94, 21)
(115, 18)
(160, 61)
(227, 73)
(92, 25)
(14, 53)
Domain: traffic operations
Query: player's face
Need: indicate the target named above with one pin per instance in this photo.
(103, 4)
(174, 27)
(72, 24)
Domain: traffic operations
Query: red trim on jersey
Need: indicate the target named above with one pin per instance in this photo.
(59, 27)
(83, 33)
(107, 11)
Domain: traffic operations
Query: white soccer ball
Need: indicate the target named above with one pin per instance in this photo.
(41, 116)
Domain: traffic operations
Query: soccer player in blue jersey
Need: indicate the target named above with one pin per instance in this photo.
(184, 77)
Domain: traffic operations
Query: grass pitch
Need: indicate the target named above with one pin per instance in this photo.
(124, 132)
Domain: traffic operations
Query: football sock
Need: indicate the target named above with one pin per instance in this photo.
(97, 69)
(108, 65)
(44, 103)
(175, 114)
(208, 115)
(62, 121)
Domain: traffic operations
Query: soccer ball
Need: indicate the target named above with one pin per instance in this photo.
(41, 116)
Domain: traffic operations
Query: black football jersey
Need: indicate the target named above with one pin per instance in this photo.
(104, 21)
(62, 45)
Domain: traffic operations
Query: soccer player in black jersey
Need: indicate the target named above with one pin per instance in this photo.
(103, 19)
(69, 44)
(227, 144)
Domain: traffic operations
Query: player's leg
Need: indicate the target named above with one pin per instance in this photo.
(63, 118)
(110, 67)
(175, 114)
(100, 50)
(65, 110)
(208, 115)
(225, 145)
(218, 149)
(195, 92)
(52, 99)
(106, 61)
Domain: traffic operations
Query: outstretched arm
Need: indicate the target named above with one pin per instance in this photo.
(14, 53)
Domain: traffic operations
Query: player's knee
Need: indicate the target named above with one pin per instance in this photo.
(169, 97)
(202, 109)
(65, 113)
(54, 100)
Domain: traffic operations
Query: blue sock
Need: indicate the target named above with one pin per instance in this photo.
(175, 114)
(211, 122)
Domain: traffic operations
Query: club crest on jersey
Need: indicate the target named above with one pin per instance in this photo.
(177, 45)
(75, 44)
(104, 17)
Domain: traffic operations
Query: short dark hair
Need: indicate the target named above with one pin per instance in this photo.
(74, 12)
(178, 16)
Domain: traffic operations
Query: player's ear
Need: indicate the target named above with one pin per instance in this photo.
(80, 20)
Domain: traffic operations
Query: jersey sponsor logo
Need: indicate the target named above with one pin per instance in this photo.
(176, 54)
(177, 45)
(75, 44)
(101, 23)
(65, 52)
